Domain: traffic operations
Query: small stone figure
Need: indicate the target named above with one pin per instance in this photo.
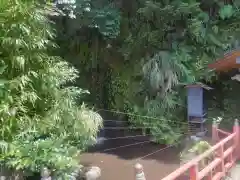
(93, 174)
(46, 174)
(3, 178)
(139, 172)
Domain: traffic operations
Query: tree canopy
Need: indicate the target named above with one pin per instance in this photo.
(157, 48)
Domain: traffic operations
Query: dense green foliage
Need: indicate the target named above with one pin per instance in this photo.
(41, 122)
(133, 56)
(160, 46)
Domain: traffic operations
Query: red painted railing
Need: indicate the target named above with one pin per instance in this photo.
(224, 152)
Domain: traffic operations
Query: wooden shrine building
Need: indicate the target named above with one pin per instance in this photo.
(230, 64)
(227, 63)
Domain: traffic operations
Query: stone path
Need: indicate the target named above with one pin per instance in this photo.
(234, 173)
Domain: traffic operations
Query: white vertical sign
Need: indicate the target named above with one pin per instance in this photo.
(238, 60)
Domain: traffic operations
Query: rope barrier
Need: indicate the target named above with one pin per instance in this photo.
(136, 115)
(110, 149)
(138, 143)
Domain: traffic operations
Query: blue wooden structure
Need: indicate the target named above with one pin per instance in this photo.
(196, 106)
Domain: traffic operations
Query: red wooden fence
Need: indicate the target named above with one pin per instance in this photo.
(225, 152)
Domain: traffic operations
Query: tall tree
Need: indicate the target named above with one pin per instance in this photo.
(41, 122)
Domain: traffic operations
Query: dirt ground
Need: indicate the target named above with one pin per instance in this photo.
(118, 164)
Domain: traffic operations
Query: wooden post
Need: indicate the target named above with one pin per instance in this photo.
(222, 158)
(139, 172)
(193, 172)
(214, 132)
(236, 139)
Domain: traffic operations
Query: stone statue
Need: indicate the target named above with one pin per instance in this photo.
(94, 173)
(46, 174)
